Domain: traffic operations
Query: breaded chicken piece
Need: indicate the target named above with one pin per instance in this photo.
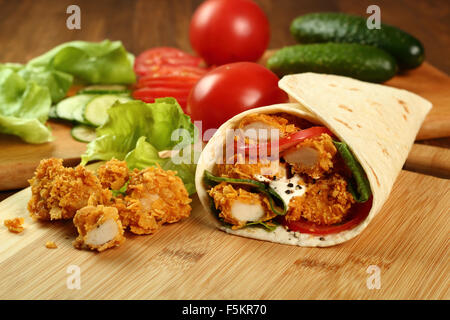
(266, 122)
(99, 228)
(238, 207)
(154, 197)
(58, 192)
(14, 225)
(246, 170)
(313, 157)
(325, 202)
(135, 217)
(113, 174)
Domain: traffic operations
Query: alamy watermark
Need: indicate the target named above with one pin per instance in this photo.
(74, 20)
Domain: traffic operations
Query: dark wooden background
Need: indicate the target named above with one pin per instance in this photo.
(31, 27)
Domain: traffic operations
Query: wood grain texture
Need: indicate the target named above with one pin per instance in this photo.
(429, 160)
(407, 240)
(18, 160)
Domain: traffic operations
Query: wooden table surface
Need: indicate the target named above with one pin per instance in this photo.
(29, 28)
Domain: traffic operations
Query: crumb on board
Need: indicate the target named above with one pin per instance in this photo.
(51, 245)
(15, 225)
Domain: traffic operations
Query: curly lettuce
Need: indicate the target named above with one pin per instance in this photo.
(24, 108)
(138, 132)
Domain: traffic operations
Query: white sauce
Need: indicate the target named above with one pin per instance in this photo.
(286, 188)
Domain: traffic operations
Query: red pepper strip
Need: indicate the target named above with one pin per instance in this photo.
(357, 214)
(290, 140)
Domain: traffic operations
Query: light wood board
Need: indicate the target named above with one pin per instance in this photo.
(407, 241)
(18, 159)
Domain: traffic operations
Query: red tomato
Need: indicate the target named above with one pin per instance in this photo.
(224, 31)
(357, 214)
(231, 89)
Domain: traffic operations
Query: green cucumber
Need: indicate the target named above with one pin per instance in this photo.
(72, 108)
(358, 61)
(105, 89)
(340, 27)
(83, 133)
(52, 113)
(96, 111)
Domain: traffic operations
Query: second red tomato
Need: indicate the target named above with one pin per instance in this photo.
(231, 89)
(225, 31)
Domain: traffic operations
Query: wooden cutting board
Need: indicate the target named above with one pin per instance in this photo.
(18, 159)
(407, 241)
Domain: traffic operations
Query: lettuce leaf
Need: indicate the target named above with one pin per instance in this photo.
(145, 155)
(137, 131)
(24, 107)
(105, 62)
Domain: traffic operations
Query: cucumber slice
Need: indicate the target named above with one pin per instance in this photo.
(96, 111)
(104, 89)
(83, 133)
(52, 113)
(72, 108)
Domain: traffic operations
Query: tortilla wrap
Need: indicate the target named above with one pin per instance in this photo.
(377, 122)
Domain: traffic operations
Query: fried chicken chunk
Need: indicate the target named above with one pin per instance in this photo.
(325, 202)
(266, 122)
(238, 207)
(313, 157)
(58, 192)
(154, 197)
(99, 228)
(113, 174)
(247, 170)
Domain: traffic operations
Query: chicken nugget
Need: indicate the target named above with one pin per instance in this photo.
(99, 228)
(238, 207)
(313, 157)
(161, 194)
(58, 192)
(113, 174)
(325, 202)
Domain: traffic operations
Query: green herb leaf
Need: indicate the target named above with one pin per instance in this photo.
(360, 186)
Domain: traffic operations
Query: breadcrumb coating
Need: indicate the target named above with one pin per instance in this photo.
(58, 192)
(113, 174)
(135, 217)
(89, 222)
(153, 197)
(14, 225)
(224, 196)
(51, 245)
(318, 162)
(246, 170)
(161, 194)
(325, 202)
(265, 121)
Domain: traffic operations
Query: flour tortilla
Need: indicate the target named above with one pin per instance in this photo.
(378, 123)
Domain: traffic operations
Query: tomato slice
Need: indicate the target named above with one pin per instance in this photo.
(164, 56)
(167, 81)
(150, 94)
(291, 140)
(358, 213)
